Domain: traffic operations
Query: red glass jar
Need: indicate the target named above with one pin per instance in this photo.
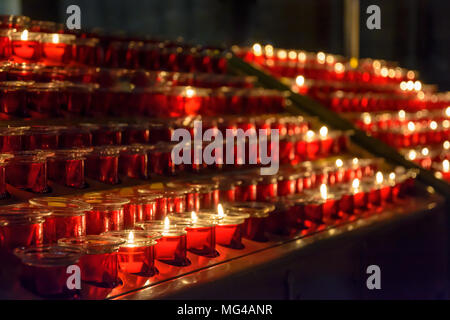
(5, 44)
(13, 98)
(171, 248)
(229, 231)
(22, 71)
(227, 188)
(25, 47)
(161, 201)
(137, 255)
(44, 99)
(46, 268)
(56, 49)
(113, 101)
(107, 214)
(267, 188)
(3, 161)
(86, 51)
(75, 137)
(206, 194)
(160, 160)
(136, 133)
(67, 167)
(287, 184)
(21, 225)
(160, 132)
(11, 138)
(102, 164)
(76, 98)
(246, 188)
(41, 137)
(14, 22)
(255, 224)
(133, 162)
(67, 217)
(106, 134)
(201, 234)
(99, 264)
(140, 208)
(28, 171)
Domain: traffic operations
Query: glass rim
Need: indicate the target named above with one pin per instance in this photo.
(107, 201)
(48, 255)
(93, 244)
(61, 206)
(253, 208)
(141, 237)
(62, 38)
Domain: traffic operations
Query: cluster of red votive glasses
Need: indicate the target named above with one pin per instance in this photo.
(24, 40)
(110, 233)
(396, 107)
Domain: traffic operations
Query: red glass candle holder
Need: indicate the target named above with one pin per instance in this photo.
(227, 188)
(246, 188)
(99, 264)
(25, 47)
(107, 214)
(206, 194)
(75, 137)
(21, 225)
(44, 99)
(255, 225)
(56, 49)
(267, 188)
(14, 22)
(67, 167)
(171, 248)
(160, 160)
(76, 98)
(133, 162)
(186, 101)
(102, 164)
(3, 161)
(86, 51)
(136, 133)
(22, 71)
(107, 134)
(41, 137)
(161, 201)
(28, 171)
(13, 98)
(229, 231)
(45, 272)
(160, 132)
(11, 138)
(140, 208)
(201, 234)
(67, 219)
(137, 255)
(287, 184)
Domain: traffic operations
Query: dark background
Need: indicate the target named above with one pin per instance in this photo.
(416, 33)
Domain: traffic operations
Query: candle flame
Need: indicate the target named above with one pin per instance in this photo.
(392, 176)
(446, 145)
(379, 177)
(321, 57)
(412, 155)
(411, 126)
(402, 114)
(355, 161)
(355, 184)
(220, 212)
(131, 237)
(282, 54)
(310, 134)
(257, 49)
(301, 56)
(339, 163)
(292, 55)
(55, 38)
(445, 165)
(323, 191)
(433, 125)
(190, 92)
(300, 81)
(166, 223)
(339, 67)
(447, 112)
(367, 119)
(425, 151)
(194, 217)
(24, 35)
(417, 86)
(323, 132)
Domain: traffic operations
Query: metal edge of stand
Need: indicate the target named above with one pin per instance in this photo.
(302, 103)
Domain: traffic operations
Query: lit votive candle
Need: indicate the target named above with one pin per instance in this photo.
(171, 248)
(25, 46)
(137, 255)
(201, 233)
(57, 48)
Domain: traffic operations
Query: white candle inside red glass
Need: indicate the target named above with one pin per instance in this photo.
(57, 49)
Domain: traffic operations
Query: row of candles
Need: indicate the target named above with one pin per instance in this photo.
(57, 49)
(30, 170)
(38, 100)
(56, 225)
(320, 65)
(421, 117)
(111, 77)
